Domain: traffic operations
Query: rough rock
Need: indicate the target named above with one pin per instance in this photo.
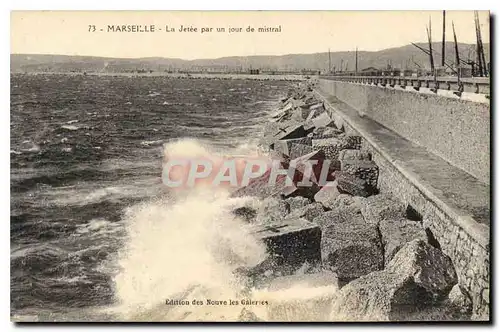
(272, 210)
(293, 102)
(378, 296)
(343, 201)
(289, 132)
(260, 187)
(332, 146)
(283, 186)
(350, 184)
(326, 132)
(272, 129)
(308, 212)
(353, 141)
(316, 105)
(327, 195)
(313, 113)
(298, 150)
(349, 247)
(396, 233)
(338, 215)
(284, 146)
(304, 112)
(353, 154)
(320, 104)
(291, 243)
(322, 120)
(296, 191)
(429, 267)
(460, 300)
(312, 164)
(379, 207)
(297, 202)
(294, 114)
(362, 169)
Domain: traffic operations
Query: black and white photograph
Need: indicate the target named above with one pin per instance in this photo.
(250, 166)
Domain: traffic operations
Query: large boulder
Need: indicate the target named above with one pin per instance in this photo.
(429, 268)
(379, 207)
(350, 184)
(261, 188)
(343, 204)
(327, 195)
(378, 296)
(315, 167)
(362, 169)
(326, 132)
(309, 108)
(285, 146)
(349, 247)
(296, 190)
(272, 210)
(396, 233)
(460, 300)
(272, 130)
(283, 186)
(352, 141)
(308, 212)
(331, 147)
(297, 150)
(288, 132)
(297, 202)
(315, 112)
(353, 154)
(323, 120)
(291, 243)
(287, 114)
(333, 217)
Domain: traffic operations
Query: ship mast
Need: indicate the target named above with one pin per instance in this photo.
(479, 55)
(457, 55)
(444, 38)
(329, 62)
(356, 67)
(429, 38)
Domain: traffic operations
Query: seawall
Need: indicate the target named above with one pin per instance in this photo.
(454, 206)
(456, 130)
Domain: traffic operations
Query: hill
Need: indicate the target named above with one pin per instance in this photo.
(398, 57)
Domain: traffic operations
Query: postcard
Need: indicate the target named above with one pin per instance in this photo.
(250, 166)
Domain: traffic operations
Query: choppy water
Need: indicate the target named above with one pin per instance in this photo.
(93, 232)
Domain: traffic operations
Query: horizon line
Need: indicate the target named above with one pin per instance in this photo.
(229, 56)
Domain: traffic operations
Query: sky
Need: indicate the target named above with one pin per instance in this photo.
(67, 32)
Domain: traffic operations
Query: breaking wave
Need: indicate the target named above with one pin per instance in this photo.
(190, 239)
(187, 247)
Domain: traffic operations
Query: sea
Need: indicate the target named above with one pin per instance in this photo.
(94, 234)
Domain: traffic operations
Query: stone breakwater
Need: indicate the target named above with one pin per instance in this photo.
(373, 250)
